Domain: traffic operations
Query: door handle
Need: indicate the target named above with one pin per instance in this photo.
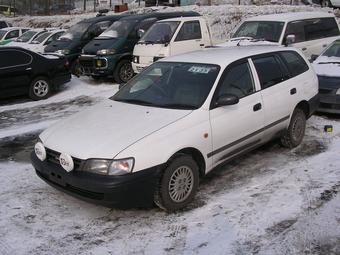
(202, 44)
(304, 48)
(293, 91)
(257, 107)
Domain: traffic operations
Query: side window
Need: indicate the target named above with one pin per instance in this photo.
(296, 64)
(12, 34)
(296, 28)
(190, 30)
(14, 58)
(238, 81)
(270, 71)
(321, 28)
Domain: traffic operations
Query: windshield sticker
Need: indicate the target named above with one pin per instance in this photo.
(199, 69)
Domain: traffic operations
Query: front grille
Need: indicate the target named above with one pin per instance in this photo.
(325, 91)
(139, 68)
(86, 63)
(53, 157)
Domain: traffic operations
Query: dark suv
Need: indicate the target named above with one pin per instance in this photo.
(110, 54)
(71, 43)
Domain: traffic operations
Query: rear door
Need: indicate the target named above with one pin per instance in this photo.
(276, 90)
(188, 38)
(236, 128)
(15, 72)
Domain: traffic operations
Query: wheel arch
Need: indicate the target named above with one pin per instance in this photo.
(304, 106)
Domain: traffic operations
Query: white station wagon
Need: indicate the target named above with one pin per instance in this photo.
(175, 122)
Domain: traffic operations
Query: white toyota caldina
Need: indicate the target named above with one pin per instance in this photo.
(176, 121)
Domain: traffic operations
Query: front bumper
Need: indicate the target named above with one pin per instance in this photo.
(132, 190)
(137, 68)
(329, 103)
(103, 66)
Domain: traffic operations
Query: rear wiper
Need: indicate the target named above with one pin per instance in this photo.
(179, 106)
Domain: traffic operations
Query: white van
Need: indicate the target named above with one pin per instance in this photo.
(175, 122)
(170, 37)
(311, 32)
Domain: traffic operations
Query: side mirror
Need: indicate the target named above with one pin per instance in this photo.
(290, 39)
(140, 33)
(227, 99)
(313, 57)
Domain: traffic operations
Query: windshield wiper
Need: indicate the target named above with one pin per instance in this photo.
(135, 101)
(179, 106)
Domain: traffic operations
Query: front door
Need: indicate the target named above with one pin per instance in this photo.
(236, 128)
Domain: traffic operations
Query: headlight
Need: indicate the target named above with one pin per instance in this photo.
(156, 58)
(135, 59)
(40, 151)
(106, 52)
(109, 167)
(338, 92)
(63, 52)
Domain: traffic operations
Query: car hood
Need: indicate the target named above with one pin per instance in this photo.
(59, 45)
(327, 66)
(99, 44)
(106, 129)
(149, 50)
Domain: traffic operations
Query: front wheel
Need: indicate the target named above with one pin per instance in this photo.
(40, 88)
(296, 130)
(178, 185)
(123, 72)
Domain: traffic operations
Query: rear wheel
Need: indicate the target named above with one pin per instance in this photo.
(123, 72)
(296, 130)
(40, 88)
(178, 185)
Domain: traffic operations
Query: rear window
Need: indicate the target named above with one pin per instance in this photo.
(295, 63)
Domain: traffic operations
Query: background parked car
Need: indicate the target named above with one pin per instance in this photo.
(327, 3)
(4, 24)
(39, 44)
(311, 32)
(74, 39)
(25, 72)
(27, 37)
(327, 67)
(9, 34)
(7, 10)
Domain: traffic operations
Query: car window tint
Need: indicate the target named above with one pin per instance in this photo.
(12, 34)
(237, 81)
(296, 28)
(14, 58)
(189, 31)
(320, 28)
(269, 71)
(295, 63)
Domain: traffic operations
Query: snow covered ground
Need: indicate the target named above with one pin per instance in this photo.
(271, 201)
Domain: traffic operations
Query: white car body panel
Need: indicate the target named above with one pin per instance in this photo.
(39, 47)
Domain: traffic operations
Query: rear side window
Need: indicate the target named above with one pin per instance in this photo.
(190, 30)
(320, 28)
(12, 34)
(14, 58)
(295, 63)
(269, 70)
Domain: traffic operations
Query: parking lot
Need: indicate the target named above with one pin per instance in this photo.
(270, 201)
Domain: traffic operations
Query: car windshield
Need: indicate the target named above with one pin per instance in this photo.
(161, 32)
(119, 28)
(41, 38)
(333, 51)
(76, 31)
(170, 85)
(267, 30)
(25, 37)
(2, 34)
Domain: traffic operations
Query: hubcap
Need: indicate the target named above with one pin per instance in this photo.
(181, 184)
(298, 128)
(126, 72)
(40, 88)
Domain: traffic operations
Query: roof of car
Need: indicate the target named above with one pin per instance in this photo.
(12, 28)
(182, 18)
(104, 18)
(291, 16)
(161, 14)
(223, 56)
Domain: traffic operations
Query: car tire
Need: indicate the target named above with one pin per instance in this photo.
(326, 3)
(296, 130)
(40, 88)
(95, 77)
(75, 68)
(178, 184)
(123, 71)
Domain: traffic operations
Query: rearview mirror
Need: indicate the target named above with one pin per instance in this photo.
(290, 39)
(227, 99)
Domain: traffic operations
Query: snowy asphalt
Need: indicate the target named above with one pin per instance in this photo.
(270, 201)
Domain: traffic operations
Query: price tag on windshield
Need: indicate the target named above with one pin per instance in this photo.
(199, 69)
